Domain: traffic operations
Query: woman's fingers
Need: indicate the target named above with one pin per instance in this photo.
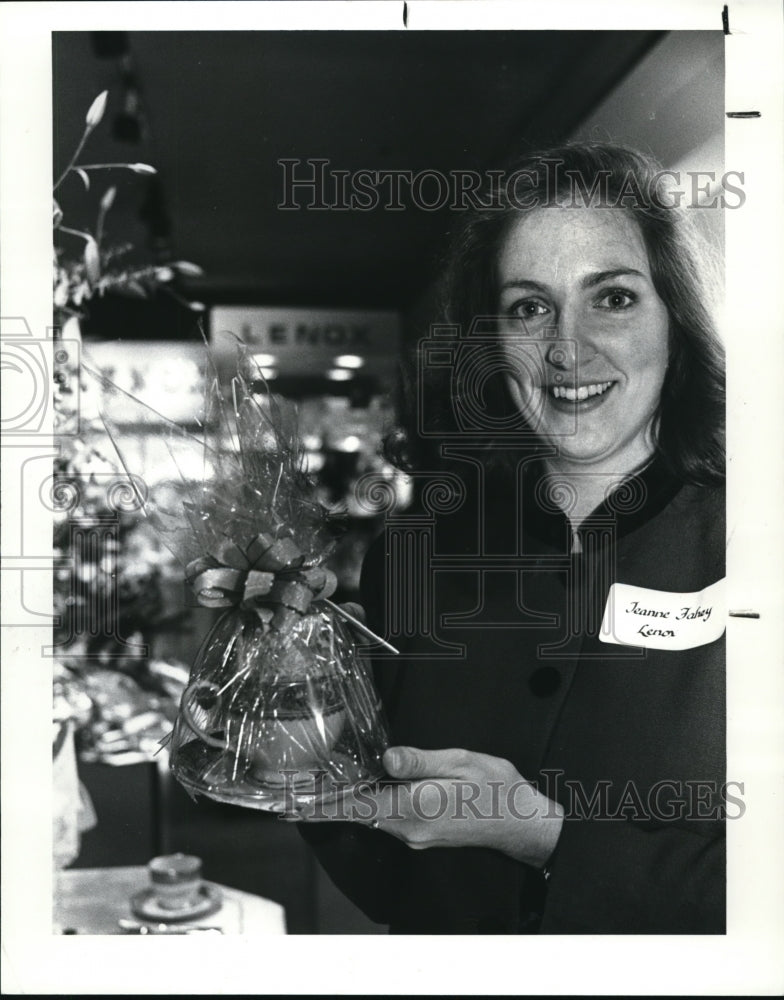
(411, 762)
(357, 623)
(355, 610)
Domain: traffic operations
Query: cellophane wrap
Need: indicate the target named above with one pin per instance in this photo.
(280, 709)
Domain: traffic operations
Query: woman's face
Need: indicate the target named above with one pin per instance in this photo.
(585, 335)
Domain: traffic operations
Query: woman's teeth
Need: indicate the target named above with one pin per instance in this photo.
(583, 392)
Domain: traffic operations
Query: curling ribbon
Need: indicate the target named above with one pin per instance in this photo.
(267, 578)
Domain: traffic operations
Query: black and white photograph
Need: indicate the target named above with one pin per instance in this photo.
(391, 539)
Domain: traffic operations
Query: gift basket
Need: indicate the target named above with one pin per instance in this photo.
(279, 709)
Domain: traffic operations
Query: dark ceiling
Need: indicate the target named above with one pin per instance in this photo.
(214, 113)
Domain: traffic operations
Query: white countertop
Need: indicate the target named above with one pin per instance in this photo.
(94, 900)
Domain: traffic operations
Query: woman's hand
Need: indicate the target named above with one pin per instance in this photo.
(456, 798)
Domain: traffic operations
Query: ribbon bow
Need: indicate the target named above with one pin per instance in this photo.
(268, 577)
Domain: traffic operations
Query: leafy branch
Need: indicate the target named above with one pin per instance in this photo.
(74, 282)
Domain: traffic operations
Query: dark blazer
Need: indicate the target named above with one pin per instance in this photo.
(631, 740)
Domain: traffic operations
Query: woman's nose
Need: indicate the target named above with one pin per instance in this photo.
(562, 353)
(572, 344)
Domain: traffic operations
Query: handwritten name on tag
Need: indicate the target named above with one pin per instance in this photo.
(663, 619)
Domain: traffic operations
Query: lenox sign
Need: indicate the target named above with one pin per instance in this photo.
(307, 341)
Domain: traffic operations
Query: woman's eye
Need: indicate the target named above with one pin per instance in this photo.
(529, 308)
(616, 299)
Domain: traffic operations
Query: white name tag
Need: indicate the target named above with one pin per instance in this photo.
(663, 619)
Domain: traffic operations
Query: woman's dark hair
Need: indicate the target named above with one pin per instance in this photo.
(690, 425)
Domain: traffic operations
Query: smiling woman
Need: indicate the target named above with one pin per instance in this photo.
(548, 739)
(607, 213)
(586, 337)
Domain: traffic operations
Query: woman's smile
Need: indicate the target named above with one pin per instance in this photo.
(578, 394)
(585, 335)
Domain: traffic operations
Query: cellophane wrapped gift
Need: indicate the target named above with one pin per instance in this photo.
(280, 710)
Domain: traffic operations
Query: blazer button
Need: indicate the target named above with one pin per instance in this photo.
(544, 681)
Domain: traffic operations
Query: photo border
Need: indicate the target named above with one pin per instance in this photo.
(746, 960)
